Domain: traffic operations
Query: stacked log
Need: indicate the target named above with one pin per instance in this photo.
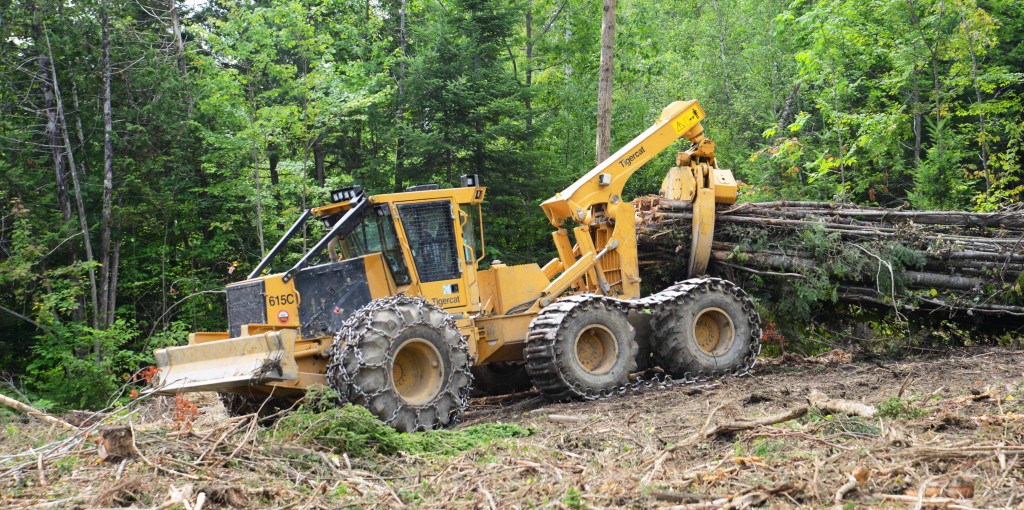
(960, 262)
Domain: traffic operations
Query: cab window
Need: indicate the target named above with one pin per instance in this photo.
(430, 229)
(375, 233)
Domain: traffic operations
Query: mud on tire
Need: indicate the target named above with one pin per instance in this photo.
(579, 347)
(404, 360)
(712, 330)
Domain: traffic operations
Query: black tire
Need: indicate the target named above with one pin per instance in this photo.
(641, 322)
(405, 361)
(580, 347)
(710, 331)
(501, 378)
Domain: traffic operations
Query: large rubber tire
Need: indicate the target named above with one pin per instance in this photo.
(580, 347)
(711, 331)
(501, 378)
(405, 361)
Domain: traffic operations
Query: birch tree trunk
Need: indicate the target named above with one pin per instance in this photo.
(82, 220)
(112, 296)
(78, 129)
(179, 50)
(50, 109)
(105, 308)
(179, 45)
(604, 82)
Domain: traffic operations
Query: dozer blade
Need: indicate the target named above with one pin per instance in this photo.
(225, 364)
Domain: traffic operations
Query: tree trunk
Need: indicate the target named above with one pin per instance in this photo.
(839, 124)
(179, 51)
(273, 158)
(604, 82)
(527, 103)
(935, 76)
(721, 51)
(179, 45)
(982, 138)
(319, 156)
(787, 111)
(400, 111)
(82, 220)
(108, 176)
(78, 129)
(916, 104)
(114, 269)
(50, 107)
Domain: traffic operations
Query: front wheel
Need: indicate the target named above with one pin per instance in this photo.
(405, 361)
(580, 347)
(710, 330)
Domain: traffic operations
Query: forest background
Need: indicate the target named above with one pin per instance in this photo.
(151, 151)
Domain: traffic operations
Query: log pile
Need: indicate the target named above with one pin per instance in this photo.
(959, 262)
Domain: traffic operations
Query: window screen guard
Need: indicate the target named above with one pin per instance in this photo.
(430, 229)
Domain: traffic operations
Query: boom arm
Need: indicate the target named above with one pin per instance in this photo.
(603, 184)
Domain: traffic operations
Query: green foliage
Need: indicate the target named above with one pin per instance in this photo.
(573, 498)
(765, 448)
(897, 408)
(352, 429)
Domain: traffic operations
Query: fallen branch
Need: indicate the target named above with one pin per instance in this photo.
(821, 401)
(845, 489)
(36, 413)
(747, 424)
(954, 504)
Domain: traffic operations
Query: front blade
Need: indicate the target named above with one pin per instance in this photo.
(225, 364)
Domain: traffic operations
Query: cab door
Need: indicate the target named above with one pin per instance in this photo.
(430, 229)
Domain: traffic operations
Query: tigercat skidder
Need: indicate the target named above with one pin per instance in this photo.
(391, 309)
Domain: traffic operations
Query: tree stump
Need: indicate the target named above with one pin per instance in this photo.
(115, 443)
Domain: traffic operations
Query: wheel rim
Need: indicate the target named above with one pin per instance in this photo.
(596, 349)
(714, 331)
(417, 371)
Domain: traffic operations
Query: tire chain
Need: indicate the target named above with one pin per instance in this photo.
(540, 349)
(338, 376)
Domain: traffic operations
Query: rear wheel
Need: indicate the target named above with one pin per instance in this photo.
(712, 330)
(579, 347)
(404, 360)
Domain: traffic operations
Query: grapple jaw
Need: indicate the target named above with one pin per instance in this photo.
(225, 364)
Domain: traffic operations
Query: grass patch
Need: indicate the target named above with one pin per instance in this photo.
(765, 448)
(353, 430)
(839, 423)
(573, 498)
(898, 408)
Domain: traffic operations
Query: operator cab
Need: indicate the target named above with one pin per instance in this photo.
(374, 232)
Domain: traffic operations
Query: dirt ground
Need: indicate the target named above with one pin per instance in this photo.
(948, 433)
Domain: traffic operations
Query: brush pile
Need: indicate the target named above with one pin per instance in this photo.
(962, 263)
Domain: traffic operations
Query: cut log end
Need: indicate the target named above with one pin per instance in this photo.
(115, 443)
